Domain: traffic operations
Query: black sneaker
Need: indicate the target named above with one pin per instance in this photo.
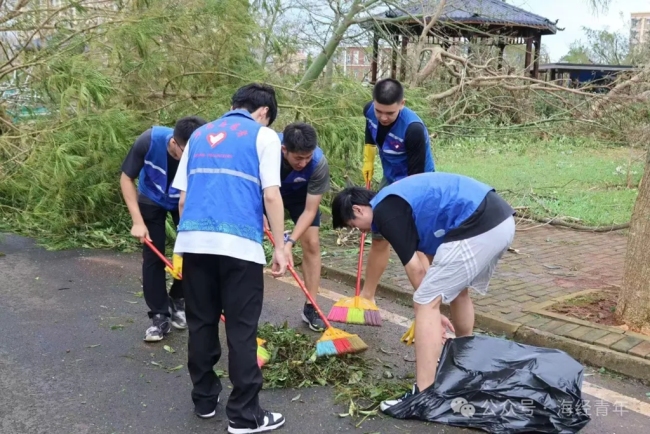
(310, 316)
(161, 326)
(270, 421)
(385, 405)
(208, 415)
(179, 320)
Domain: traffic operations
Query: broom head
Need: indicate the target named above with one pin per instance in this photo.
(263, 355)
(336, 342)
(355, 310)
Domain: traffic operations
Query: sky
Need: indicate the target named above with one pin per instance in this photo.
(575, 14)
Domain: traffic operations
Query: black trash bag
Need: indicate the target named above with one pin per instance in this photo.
(501, 387)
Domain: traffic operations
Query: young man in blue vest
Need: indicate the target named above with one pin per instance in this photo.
(153, 159)
(229, 171)
(305, 178)
(463, 222)
(402, 140)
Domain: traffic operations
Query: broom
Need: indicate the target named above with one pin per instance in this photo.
(334, 341)
(263, 355)
(356, 310)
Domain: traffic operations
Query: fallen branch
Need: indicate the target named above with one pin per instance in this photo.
(558, 222)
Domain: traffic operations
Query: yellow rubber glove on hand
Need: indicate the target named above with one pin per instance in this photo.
(409, 336)
(177, 262)
(368, 169)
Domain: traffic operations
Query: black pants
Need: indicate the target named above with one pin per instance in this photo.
(212, 284)
(154, 286)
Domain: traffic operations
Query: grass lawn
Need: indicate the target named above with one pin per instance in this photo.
(588, 183)
(583, 183)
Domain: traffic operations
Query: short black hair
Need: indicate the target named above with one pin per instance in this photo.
(343, 202)
(388, 91)
(299, 137)
(185, 127)
(256, 95)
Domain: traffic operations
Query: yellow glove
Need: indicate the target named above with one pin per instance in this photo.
(368, 169)
(177, 262)
(409, 336)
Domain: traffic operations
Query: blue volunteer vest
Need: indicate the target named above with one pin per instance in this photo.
(152, 181)
(392, 153)
(297, 180)
(440, 202)
(224, 192)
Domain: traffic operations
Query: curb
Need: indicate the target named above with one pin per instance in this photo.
(592, 355)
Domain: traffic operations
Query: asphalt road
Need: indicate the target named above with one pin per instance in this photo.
(72, 358)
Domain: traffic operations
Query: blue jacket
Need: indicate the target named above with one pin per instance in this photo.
(297, 181)
(440, 202)
(392, 153)
(152, 181)
(224, 192)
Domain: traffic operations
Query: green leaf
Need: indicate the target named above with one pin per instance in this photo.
(175, 368)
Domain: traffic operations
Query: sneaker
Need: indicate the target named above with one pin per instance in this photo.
(310, 316)
(208, 415)
(158, 330)
(179, 320)
(385, 405)
(270, 422)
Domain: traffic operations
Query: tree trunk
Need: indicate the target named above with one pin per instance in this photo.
(329, 69)
(320, 62)
(634, 301)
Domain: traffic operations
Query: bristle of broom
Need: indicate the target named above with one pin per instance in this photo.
(372, 317)
(355, 316)
(337, 342)
(338, 314)
(263, 356)
(355, 310)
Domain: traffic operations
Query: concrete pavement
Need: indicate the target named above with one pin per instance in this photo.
(72, 359)
(548, 266)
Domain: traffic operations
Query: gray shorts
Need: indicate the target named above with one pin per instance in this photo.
(464, 264)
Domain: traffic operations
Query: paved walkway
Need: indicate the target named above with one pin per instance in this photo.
(548, 262)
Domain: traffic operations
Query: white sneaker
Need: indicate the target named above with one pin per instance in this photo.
(270, 422)
(385, 405)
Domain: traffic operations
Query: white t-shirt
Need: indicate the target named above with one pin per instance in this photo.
(269, 151)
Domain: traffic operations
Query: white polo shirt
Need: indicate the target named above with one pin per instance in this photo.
(269, 151)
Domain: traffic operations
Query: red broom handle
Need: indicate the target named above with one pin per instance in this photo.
(157, 252)
(360, 263)
(301, 284)
(166, 261)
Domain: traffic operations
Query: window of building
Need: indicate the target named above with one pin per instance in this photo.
(355, 57)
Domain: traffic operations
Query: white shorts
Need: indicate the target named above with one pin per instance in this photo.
(464, 264)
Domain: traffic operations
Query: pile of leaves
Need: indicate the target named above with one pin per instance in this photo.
(293, 362)
(357, 383)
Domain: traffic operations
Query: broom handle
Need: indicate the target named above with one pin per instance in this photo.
(157, 252)
(302, 285)
(360, 263)
(166, 261)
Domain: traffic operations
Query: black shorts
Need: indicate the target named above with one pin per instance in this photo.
(295, 207)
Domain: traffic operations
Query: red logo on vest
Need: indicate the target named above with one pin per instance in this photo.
(215, 139)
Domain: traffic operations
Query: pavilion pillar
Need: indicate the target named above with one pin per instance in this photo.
(393, 60)
(402, 66)
(375, 57)
(502, 48)
(538, 48)
(529, 49)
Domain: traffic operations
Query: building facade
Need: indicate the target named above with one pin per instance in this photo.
(355, 62)
(639, 28)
